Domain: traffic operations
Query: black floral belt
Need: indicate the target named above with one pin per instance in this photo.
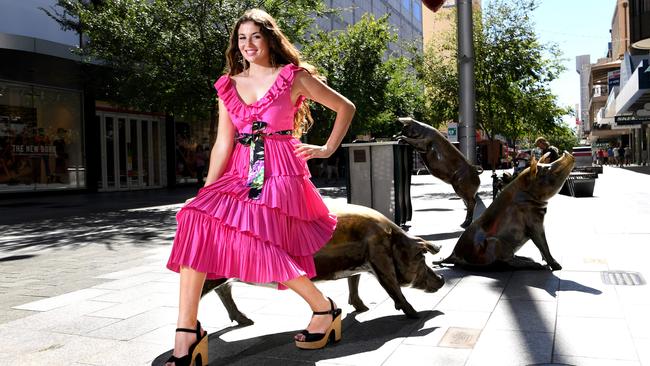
(256, 161)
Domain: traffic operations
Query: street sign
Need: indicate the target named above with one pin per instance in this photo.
(452, 131)
(630, 119)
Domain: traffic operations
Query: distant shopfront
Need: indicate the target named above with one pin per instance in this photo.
(41, 138)
(132, 149)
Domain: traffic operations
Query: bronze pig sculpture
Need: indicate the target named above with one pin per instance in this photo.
(515, 216)
(444, 161)
(364, 241)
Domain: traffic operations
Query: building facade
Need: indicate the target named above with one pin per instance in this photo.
(405, 17)
(441, 22)
(43, 103)
(615, 97)
(54, 134)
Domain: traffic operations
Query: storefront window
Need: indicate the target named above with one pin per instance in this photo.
(40, 138)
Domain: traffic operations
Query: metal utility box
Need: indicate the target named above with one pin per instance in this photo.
(379, 176)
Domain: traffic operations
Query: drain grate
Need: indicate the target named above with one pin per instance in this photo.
(622, 278)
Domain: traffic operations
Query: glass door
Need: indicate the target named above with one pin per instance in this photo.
(131, 152)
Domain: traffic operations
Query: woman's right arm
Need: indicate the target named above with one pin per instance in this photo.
(223, 146)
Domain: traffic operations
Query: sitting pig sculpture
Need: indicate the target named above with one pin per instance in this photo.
(444, 161)
(515, 216)
(364, 241)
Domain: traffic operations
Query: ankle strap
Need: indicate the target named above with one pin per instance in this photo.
(187, 330)
(331, 311)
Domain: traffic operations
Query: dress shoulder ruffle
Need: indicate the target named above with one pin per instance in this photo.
(235, 105)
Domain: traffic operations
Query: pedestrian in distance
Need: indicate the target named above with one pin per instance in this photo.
(610, 156)
(621, 156)
(546, 147)
(259, 218)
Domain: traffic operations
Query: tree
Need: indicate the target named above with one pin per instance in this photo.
(356, 62)
(513, 71)
(165, 55)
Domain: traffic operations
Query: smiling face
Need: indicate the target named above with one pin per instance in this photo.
(253, 45)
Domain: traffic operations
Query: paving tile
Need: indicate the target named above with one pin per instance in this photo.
(19, 341)
(138, 291)
(61, 300)
(8, 315)
(642, 346)
(361, 352)
(427, 356)
(128, 282)
(594, 338)
(47, 319)
(471, 298)
(80, 325)
(495, 280)
(125, 353)
(532, 285)
(507, 347)
(134, 307)
(127, 273)
(138, 325)
(431, 331)
(64, 351)
(533, 316)
(638, 320)
(606, 304)
(586, 361)
(634, 295)
(163, 336)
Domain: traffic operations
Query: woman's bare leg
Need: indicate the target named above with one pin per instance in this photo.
(191, 284)
(317, 302)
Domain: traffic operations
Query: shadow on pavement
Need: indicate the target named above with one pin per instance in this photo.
(279, 349)
(135, 227)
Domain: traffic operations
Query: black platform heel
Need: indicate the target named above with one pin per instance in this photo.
(197, 355)
(319, 340)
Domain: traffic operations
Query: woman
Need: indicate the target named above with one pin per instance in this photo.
(258, 217)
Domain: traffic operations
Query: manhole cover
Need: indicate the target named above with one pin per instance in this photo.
(460, 338)
(622, 278)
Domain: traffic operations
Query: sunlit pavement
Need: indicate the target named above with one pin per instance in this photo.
(81, 286)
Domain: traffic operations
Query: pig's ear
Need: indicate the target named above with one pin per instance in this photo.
(533, 167)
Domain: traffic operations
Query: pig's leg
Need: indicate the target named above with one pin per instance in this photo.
(383, 267)
(538, 236)
(225, 294)
(353, 298)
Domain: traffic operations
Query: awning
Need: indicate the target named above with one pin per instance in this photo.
(636, 92)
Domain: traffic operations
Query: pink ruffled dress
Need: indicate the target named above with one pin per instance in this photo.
(272, 238)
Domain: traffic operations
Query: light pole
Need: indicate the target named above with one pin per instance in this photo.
(467, 98)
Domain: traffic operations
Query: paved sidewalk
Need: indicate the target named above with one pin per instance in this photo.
(91, 289)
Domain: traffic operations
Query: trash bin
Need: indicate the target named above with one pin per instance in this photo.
(379, 176)
(579, 184)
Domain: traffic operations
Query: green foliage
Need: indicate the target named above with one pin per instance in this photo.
(356, 63)
(164, 55)
(513, 72)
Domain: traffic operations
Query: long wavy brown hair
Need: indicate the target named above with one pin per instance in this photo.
(282, 52)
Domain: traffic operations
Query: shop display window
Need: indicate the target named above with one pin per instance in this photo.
(41, 144)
